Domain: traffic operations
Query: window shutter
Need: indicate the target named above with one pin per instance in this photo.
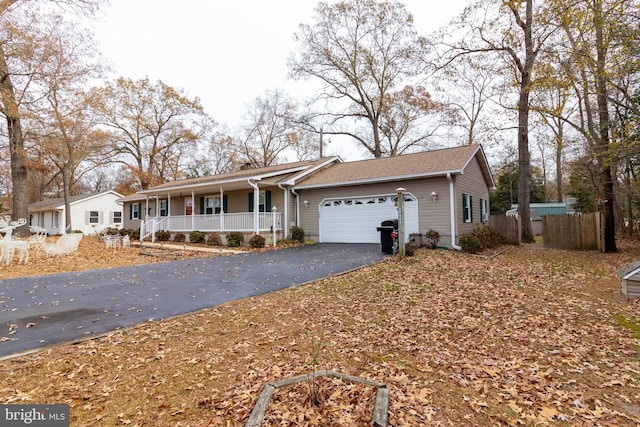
(250, 201)
(101, 217)
(267, 201)
(201, 205)
(224, 203)
(470, 208)
(86, 217)
(131, 211)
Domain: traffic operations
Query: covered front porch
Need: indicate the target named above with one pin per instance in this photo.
(245, 222)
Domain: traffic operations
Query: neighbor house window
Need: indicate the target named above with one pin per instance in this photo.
(467, 208)
(94, 217)
(117, 218)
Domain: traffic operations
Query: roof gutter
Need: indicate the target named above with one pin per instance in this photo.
(452, 211)
(378, 180)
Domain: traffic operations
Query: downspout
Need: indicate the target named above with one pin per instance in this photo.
(297, 206)
(256, 205)
(452, 211)
(286, 210)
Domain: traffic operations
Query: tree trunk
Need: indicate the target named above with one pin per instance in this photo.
(559, 144)
(66, 186)
(20, 189)
(524, 157)
(602, 143)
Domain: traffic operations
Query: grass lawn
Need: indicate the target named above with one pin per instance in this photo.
(528, 337)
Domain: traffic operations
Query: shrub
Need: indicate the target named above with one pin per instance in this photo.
(410, 249)
(297, 234)
(487, 237)
(111, 231)
(257, 241)
(133, 234)
(431, 238)
(163, 235)
(470, 244)
(235, 239)
(214, 239)
(196, 237)
(179, 238)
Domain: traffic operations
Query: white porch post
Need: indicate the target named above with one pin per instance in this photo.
(169, 211)
(256, 206)
(193, 210)
(221, 209)
(286, 211)
(274, 213)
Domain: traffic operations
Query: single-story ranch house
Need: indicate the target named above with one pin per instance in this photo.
(90, 213)
(333, 201)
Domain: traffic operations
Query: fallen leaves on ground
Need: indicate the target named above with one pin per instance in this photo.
(91, 254)
(528, 337)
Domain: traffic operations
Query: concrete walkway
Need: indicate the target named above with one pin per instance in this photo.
(40, 311)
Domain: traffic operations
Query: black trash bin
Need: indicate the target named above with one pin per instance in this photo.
(386, 241)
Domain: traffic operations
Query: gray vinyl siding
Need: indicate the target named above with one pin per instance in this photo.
(431, 215)
(471, 182)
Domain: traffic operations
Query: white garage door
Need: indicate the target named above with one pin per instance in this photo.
(355, 219)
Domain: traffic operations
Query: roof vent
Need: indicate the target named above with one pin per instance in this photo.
(247, 165)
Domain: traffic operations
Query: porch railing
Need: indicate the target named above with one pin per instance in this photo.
(211, 223)
(151, 226)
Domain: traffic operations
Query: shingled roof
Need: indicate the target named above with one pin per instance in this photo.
(278, 172)
(418, 165)
(58, 202)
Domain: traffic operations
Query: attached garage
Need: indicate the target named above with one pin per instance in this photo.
(355, 219)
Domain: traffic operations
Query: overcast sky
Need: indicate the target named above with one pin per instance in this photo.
(225, 52)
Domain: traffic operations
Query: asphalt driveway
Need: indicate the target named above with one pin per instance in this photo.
(40, 311)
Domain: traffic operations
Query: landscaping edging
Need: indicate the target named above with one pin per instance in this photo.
(380, 416)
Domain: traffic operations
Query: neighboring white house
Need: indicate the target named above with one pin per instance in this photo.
(90, 213)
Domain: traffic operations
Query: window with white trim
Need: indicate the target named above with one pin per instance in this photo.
(135, 210)
(94, 217)
(164, 210)
(467, 208)
(484, 213)
(117, 217)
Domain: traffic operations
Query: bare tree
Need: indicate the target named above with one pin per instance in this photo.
(362, 52)
(17, 67)
(149, 124)
(58, 122)
(515, 33)
(268, 122)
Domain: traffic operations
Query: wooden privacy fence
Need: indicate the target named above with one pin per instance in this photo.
(508, 227)
(574, 231)
(571, 231)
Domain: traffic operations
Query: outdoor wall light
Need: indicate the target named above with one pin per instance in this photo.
(434, 196)
(306, 204)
